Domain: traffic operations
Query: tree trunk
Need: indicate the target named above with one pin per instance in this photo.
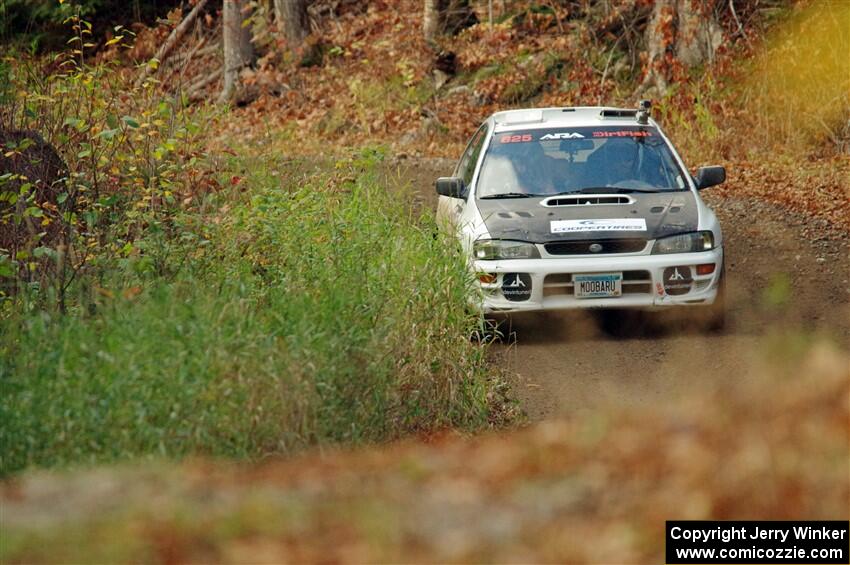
(698, 34)
(292, 20)
(431, 19)
(173, 39)
(238, 51)
(678, 30)
(659, 33)
(447, 16)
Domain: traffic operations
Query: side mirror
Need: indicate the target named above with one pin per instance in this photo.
(453, 187)
(709, 176)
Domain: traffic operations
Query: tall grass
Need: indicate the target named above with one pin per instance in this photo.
(791, 98)
(799, 88)
(319, 311)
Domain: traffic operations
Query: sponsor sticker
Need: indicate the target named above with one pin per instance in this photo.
(563, 135)
(515, 138)
(612, 224)
(516, 287)
(677, 280)
(623, 133)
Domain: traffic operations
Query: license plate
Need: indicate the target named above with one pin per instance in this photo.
(598, 286)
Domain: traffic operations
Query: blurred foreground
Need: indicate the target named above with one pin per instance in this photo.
(595, 488)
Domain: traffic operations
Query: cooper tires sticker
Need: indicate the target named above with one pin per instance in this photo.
(612, 224)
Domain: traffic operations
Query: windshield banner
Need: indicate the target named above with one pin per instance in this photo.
(576, 133)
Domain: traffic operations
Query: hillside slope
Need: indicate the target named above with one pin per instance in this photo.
(772, 106)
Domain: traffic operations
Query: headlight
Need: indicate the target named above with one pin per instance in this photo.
(684, 243)
(495, 249)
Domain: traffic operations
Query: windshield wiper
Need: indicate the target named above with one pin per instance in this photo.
(612, 190)
(508, 195)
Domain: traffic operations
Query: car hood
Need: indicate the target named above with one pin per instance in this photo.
(527, 219)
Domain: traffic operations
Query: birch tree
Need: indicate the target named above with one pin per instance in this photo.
(431, 19)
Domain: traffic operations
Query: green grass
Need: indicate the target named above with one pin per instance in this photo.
(321, 311)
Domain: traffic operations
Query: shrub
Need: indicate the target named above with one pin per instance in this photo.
(131, 164)
(320, 311)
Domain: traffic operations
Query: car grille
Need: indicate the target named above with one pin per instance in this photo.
(626, 245)
(634, 282)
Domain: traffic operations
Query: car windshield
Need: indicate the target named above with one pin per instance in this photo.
(582, 160)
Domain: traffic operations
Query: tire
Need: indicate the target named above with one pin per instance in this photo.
(622, 323)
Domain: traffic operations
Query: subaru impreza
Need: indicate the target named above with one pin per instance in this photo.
(589, 207)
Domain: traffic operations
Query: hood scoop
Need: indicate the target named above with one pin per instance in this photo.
(586, 200)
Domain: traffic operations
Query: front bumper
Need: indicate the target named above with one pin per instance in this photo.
(643, 286)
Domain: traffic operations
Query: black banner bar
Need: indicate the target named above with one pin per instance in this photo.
(703, 541)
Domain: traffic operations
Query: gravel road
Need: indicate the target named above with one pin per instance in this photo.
(788, 277)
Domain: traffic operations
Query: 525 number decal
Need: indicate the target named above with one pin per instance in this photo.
(515, 138)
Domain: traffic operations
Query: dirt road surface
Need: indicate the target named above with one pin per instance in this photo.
(788, 276)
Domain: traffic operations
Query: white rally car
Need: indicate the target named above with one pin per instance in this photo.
(589, 207)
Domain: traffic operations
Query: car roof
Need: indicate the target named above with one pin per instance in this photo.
(536, 118)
